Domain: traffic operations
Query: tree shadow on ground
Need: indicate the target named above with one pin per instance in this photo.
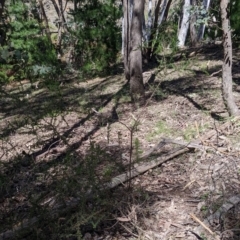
(199, 85)
(50, 103)
(40, 188)
(30, 181)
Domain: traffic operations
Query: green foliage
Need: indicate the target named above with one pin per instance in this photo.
(235, 18)
(234, 10)
(166, 43)
(3, 78)
(27, 49)
(25, 36)
(201, 14)
(98, 36)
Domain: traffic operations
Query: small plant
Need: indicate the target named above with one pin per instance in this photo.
(205, 196)
(137, 149)
(204, 208)
(132, 129)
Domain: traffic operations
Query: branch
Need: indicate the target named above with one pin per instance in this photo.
(137, 170)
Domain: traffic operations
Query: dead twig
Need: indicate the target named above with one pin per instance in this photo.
(137, 169)
(215, 73)
(201, 223)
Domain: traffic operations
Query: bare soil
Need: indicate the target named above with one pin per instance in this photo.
(55, 147)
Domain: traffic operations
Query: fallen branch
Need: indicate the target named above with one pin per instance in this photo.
(142, 168)
(201, 223)
(164, 141)
(230, 203)
(137, 170)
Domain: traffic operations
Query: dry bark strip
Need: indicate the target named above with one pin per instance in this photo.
(144, 167)
(137, 170)
(220, 213)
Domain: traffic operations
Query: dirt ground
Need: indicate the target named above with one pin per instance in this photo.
(58, 141)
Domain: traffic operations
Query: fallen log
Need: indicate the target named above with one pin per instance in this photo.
(137, 169)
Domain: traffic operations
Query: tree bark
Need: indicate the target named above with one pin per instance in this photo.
(227, 61)
(154, 30)
(149, 20)
(201, 30)
(184, 24)
(136, 78)
(45, 19)
(126, 36)
(162, 11)
(56, 7)
(167, 10)
(193, 29)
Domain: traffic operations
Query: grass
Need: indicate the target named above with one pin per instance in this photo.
(160, 129)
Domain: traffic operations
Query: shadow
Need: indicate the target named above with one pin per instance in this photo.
(187, 86)
(236, 75)
(48, 103)
(56, 189)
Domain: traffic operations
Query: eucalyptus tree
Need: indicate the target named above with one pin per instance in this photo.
(133, 22)
(227, 62)
(136, 77)
(156, 16)
(182, 34)
(205, 7)
(193, 19)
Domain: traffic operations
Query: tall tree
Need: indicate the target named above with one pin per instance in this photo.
(167, 10)
(45, 21)
(201, 30)
(136, 78)
(150, 19)
(193, 19)
(154, 29)
(227, 62)
(126, 36)
(162, 11)
(182, 34)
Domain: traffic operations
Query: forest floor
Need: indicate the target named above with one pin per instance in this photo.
(60, 148)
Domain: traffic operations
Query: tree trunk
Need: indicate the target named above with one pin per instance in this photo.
(126, 36)
(193, 28)
(227, 62)
(123, 36)
(162, 11)
(201, 30)
(154, 30)
(136, 78)
(167, 10)
(185, 24)
(45, 20)
(149, 20)
(56, 7)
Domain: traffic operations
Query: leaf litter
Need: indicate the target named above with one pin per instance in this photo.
(162, 200)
